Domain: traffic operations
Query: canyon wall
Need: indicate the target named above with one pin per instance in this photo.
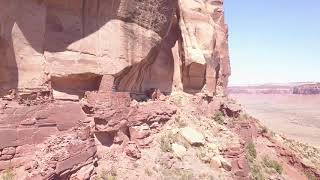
(67, 46)
(70, 69)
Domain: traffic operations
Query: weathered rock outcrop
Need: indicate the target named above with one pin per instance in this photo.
(204, 44)
(49, 140)
(66, 46)
(83, 87)
(118, 120)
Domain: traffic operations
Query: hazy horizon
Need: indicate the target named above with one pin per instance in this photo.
(273, 41)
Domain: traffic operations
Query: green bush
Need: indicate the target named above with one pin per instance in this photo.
(219, 118)
(251, 150)
(272, 164)
(264, 130)
(148, 172)
(8, 175)
(256, 172)
(310, 176)
(180, 174)
(166, 141)
(181, 123)
(107, 175)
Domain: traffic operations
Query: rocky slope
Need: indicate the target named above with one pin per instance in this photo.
(109, 136)
(119, 89)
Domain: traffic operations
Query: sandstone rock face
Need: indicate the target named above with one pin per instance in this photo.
(66, 46)
(54, 137)
(117, 120)
(70, 69)
(204, 45)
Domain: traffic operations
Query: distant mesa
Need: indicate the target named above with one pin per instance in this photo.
(305, 88)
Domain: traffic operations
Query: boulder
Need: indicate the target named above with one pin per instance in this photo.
(84, 173)
(231, 109)
(9, 151)
(192, 136)
(139, 132)
(8, 137)
(215, 163)
(178, 150)
(132, 150)
(225, 164)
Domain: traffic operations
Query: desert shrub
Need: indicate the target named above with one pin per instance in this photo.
(135, 164)
(166, 141)
(244, 116)
(169, 138)
(148, 172)
(180, 174)
(206, 176)
(180, 122)
(202, 154)
(251, 151)
(264, 130)
(110, 177)
(272, 164)
(107, 175)
(219, 118)
(186, 175)
(310, 176)
(8, 174)
(256, 172)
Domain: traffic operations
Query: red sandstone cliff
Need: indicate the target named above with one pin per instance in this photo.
(66, 46)
(105, 53)
(127, 89)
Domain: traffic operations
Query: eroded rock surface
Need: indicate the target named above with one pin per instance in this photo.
(68, 45)
(54, 137)
(83, 82)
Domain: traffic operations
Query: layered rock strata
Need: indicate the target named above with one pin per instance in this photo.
(70, 69)
(66, 46)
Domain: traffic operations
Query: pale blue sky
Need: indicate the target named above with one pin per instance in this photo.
(273, 40)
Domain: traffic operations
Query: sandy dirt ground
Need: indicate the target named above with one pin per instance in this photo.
(295, 116)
